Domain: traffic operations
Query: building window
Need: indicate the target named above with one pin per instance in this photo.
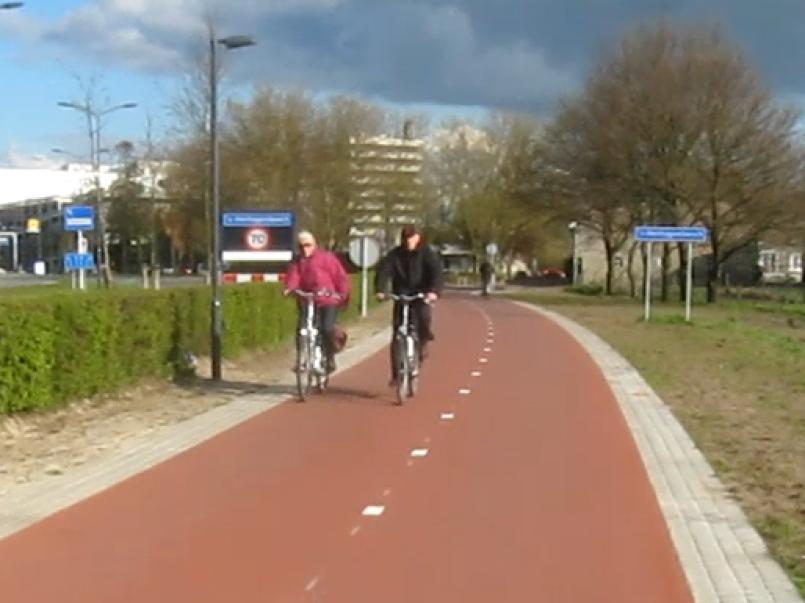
(770, 261)
(795, 262)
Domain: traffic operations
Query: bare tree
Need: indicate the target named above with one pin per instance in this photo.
(674, 127)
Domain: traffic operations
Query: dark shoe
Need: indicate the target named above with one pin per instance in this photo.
(423, 352)
(331, 367)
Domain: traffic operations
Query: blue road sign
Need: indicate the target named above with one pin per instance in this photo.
(671, 234)
(79, 217)
(78, 261)
(266, 219)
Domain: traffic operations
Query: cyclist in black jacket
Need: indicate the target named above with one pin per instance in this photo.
(412, 268)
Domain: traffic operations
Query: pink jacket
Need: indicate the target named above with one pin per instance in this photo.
(321, 271)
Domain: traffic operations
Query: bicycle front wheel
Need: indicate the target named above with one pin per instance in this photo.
(304, 370)
(401, 368)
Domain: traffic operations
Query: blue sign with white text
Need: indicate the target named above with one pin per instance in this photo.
(671, 234)
(266, 219)
(79, 217)
(78, 261)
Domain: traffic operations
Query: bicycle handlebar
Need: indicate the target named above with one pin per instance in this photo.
(406, 298)
(314, 294)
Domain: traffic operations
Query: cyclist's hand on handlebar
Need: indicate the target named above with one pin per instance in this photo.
(381, 296)
(431, 297)
(287, 292)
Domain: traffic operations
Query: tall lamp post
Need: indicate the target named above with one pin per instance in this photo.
(573, 227)
(230, 43)
(94, 130)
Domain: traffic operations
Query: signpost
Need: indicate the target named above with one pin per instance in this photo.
(364, 251)
(492, 251)
(79, 218)
(253, 237)
(671, 234)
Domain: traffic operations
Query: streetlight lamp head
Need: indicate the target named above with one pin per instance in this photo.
(232, 42)
(573, 225)
(128, 106)
(8, 5)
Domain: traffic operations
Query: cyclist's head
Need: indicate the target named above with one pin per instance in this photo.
(410, 237)
(307, 243)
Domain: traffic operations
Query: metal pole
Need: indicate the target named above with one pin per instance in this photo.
(80, 249)
(364, 280)
(15, 253)
(216, 326)
(689, 288)
(647, 314)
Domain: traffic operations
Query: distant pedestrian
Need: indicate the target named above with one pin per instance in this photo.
(486, 271)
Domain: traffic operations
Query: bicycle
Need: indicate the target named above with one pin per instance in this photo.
(406, 350)
(310, 357)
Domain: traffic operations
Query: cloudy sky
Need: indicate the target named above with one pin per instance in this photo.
(441, 56)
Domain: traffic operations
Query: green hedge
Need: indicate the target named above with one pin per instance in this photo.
(73, 345)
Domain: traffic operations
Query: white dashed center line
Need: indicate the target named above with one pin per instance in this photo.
(374, 511)
(419, 452)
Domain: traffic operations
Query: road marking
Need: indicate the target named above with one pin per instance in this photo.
(374, 511)
(387, 492)
(312, 584)
(465, 392)
(476, 373)
(490, 341)
(409, 463)
(483, 360)
(355, 531)
(448, 416)
(487, 350)
(419, 453)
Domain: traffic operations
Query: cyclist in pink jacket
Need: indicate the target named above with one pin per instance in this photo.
(319, 271)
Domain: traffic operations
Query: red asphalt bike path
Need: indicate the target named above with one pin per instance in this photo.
(530, 489)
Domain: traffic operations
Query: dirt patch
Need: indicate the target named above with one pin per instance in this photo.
(735, 380)
(37, 445)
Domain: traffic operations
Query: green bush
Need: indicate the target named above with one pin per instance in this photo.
(71, 345)
(591, 289)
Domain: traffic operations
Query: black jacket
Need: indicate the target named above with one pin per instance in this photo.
(410, 272)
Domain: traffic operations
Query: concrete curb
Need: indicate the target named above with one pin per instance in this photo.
(36, 501)
(722, 555)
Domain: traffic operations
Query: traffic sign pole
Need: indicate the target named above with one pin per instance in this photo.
(364, 279)
(689, 292)
(647, 314)
(80, 249)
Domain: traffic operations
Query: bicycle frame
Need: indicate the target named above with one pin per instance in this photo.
(406, 339)
(310, 352)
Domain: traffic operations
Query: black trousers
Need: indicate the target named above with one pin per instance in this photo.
(327, 316)
(420, 314)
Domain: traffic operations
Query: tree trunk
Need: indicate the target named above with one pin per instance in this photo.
(124, 255)
(666, 267)
(630, 270)
(610, 253)
(644, 260)
(712, 273)
(682, 250)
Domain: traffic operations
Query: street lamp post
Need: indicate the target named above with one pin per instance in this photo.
(573, 227)
(94, 130)
(230, 43)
